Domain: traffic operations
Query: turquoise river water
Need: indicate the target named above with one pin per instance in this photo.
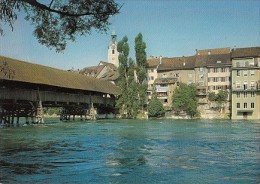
(131, 151)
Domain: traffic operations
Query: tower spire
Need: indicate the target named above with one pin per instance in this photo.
(112, 50)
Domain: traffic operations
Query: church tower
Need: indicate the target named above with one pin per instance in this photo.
(112, 50)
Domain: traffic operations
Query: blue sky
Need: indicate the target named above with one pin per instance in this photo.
(170, 28)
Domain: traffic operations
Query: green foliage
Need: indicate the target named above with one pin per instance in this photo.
(185, 99)
(132, 78)
(220, 98)
(141, 70)
(212, 96)
(56, 22)
(52, 110)
(128, 100)
(155, 107)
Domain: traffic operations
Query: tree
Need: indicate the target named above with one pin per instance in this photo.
(212, 96)
(185, 99)
(133, 89)
(57, 21)
(155, 107)
(141, 70)
(128, 100)
(220, 98)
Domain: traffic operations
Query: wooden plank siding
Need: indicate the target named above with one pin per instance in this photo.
(52, 97)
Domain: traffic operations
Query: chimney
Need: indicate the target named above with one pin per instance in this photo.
(160, 59)
(209, 52)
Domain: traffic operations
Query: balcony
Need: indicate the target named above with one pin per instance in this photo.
(162, 88)
(172, 80)
(256, 88)
(245, 67)
(162, 97)
(245, 110)
(162, 94)
(202, 90)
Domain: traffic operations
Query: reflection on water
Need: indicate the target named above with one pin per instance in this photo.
(122, 151)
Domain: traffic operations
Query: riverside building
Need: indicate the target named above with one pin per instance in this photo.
(245, 83)
(212, 70)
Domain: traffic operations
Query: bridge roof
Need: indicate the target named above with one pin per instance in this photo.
(22, 71)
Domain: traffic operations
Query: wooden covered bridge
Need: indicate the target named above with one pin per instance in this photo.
(26, 88)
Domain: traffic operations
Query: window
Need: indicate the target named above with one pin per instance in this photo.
(219, 87)
(201, 83)
(238, 105)
(252, 105)
(190, 75)
(252, 94)
(252, 84)
(245, 105)
(238, 73)
(219, 79)
(211, 79)
(251, 64)
(113, 51)
(152, 78)
(238, 86)
(151, 70)
(245, 94)
(238, 94)
(252, 72)
(211, 70)
(245, 85)
(177, 75)
(219, 69)
(227, 79)
(227, 69)
(245, 72)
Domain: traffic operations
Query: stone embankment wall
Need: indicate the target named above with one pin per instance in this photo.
(207, 111)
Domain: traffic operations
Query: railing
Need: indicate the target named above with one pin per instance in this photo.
(53, 97)
(162, 89)
(202, 94)
(257, 88)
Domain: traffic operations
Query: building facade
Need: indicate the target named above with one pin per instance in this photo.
(245, 83)
(152, 66)
(237, 71)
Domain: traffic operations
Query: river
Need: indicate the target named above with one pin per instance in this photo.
(131, 151)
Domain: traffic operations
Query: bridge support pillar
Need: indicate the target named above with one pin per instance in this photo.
(92, 112)
(1, 114)
(39, 112)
